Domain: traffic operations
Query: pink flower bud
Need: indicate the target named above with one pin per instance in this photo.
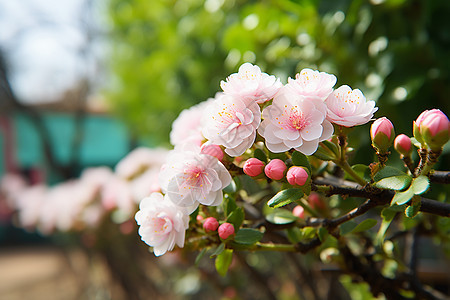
(402, 144)
(253, 167)
(434, 127)
(297, 176)
(212, 149)
(210, 224)
(275, 169)
(382, 134)
(299, 212)
(199, 218)
(225, 230)
(315, 201)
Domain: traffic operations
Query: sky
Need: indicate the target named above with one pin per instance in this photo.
(47, 46)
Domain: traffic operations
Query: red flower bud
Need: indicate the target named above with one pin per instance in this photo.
(210, 224)
(275, 169)
(382, 134)
(225, 230)
(297, 176)
(402, 144)
(253, 167)
(299, 212)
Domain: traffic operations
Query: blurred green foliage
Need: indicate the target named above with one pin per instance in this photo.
(168, 55)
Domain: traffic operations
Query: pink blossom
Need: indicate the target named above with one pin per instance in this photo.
(28, 204)
(252, 84)
(161, 223)
(275, 169)
(315, 201)
(187, 128)
(225, 230)
(253, 167)
(189, 178)
(312, 84)
(140, 159)
(211, 149)
(297, 176)
(210, 224)
(348, 108)
(232, 123)
(117, 194)
(145, 184)
(402, 144)
(294, 121)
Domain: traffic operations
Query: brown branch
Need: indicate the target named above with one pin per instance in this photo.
(440, 177)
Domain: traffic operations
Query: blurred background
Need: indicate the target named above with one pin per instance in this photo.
(83, 83)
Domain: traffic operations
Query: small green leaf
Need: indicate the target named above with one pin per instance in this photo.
(199, 256)
(412, 210)
(332, 147)
(294, 234)
(248, 236)
(347, 227)
(300, 159)
(323, 234)
(236, 218)
(364, 225)
(396, 183)
(309, 232)
(402, 197)
(387, 172)
(285, 197)
(229, 205)
(259, 154)
(363, 171)
(223, 261)
(281, 216)
(420, 185)
(415, 142)
(324, 153)
(218, 250)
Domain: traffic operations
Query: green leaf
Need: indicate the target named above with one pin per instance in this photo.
(301, 160)
(402, 197)
(397, 183)
(236, 218)
(294, 234)
(364, 225)
(347, 227)
(387, 172)
(229, 205)
(363, 171)
(332, 147)
(218, 250)
(223, 261)
(324, 153)
(281, 216)
(248, 236)
(199, 256)
(420, 185)
(259, 154)
(285, 197)
(412, 210)
(323, 234)
(309, 232)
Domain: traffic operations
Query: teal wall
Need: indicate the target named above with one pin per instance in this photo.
(105, 140)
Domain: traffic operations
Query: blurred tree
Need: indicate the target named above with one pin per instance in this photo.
(168, 55)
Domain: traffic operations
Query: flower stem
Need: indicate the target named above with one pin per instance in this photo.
(342, 161)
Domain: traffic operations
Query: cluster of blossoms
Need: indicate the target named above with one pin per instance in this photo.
(295, 116)
(81, 203)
